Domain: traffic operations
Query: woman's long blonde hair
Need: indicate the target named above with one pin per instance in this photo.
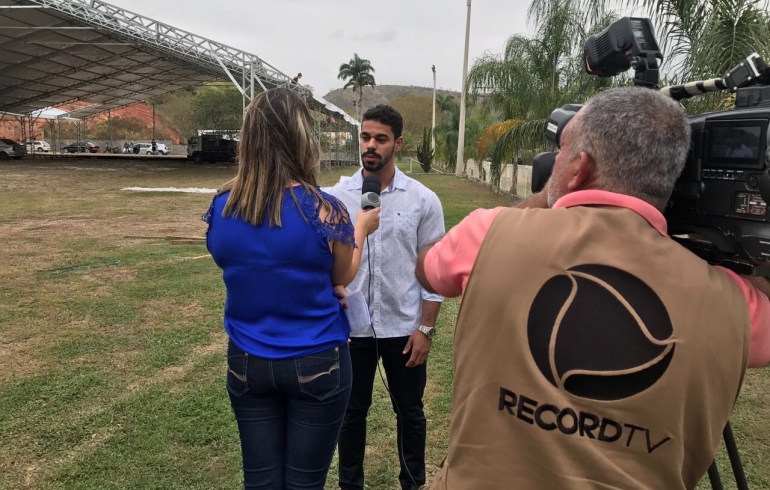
(277, 147)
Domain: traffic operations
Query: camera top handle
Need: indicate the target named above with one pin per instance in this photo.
(751, 71)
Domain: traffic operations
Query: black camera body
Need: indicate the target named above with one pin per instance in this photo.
(719, 206)
(723, 191)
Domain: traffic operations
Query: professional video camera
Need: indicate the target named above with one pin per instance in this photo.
(718, 209)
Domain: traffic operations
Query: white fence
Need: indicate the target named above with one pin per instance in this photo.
(480, 172)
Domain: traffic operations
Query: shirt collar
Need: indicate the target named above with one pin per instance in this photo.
(356, 181)
(605, 198)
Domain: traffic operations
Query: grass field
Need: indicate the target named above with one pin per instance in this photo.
(112, 350)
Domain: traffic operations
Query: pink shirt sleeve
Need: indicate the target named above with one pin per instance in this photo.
(449, 263)
(759, 312)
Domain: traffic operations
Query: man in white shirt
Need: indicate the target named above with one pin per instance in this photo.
(403, 313)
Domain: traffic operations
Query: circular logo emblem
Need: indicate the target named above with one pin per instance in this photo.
(600, 333)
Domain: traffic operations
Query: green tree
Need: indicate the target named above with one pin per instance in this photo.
(50, 130)
(520, 87)
(124, 128)
(358, 74)
(447, 133)
(408, 148)
(178, 111)
(444, 103)
(424, 150)
(700, 39)
(68, 130)
(448, 130)
(218, 107)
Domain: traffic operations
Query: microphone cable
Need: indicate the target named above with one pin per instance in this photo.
(379, 370)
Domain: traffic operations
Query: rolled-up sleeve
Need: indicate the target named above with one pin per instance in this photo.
(759, 312)
(449, 263)
(430, 230)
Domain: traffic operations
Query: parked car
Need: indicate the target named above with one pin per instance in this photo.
(146, 149)
(11, 149)
(81, 147)
(37, 146)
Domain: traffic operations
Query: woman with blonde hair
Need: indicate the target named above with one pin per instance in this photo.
(283, 245)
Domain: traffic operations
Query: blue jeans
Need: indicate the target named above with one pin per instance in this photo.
(289, 414)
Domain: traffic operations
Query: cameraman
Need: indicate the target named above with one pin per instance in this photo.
(592, 351)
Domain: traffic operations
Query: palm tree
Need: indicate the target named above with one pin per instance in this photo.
(533, 75)
(447, 132)
(700, 38)
(358, 73)
(444, 103)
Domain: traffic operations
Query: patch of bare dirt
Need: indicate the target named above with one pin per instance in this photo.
(86, 448)
(17, 361)
(179, 371)
(156, 310)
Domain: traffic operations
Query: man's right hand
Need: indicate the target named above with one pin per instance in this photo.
(367, 222)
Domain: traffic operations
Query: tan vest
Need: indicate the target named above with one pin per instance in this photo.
(591, 353)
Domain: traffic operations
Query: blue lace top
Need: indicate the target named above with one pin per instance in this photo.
(280, 302)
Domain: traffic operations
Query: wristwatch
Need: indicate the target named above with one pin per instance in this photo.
(429, 332)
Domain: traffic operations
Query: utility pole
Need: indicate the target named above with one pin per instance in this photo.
(433, 128)
(460, 167)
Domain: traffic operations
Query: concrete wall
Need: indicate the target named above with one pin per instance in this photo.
(479, 172)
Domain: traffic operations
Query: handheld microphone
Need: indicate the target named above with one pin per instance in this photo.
(370, 192)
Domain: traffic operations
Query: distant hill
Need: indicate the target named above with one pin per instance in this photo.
(381, 94)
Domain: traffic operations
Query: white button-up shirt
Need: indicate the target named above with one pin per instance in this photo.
(411, 218)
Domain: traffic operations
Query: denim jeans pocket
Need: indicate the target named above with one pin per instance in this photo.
(319, 374)
(237, 367)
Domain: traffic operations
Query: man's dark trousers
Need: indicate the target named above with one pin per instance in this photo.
(407, 386)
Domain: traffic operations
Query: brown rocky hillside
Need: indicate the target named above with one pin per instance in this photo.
(9, 127)
(381, 94)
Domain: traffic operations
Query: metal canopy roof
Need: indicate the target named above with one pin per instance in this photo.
(54, 52)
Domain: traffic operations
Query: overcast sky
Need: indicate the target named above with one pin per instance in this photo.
(402, 38)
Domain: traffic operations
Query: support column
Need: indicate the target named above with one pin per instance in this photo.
(109, 126)
(337, 141)
(23, 122)
(32, 132)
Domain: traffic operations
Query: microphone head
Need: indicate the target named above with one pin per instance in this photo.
(371, 183)
(370, 192)
(370, 200)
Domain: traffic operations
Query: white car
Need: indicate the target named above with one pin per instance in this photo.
(146, 149)
(38, 146)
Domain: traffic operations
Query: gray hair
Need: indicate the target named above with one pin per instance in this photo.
(639, 140)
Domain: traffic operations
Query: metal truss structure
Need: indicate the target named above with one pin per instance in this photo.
(59, 52)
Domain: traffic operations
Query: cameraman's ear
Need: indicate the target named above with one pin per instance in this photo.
(583, 171)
